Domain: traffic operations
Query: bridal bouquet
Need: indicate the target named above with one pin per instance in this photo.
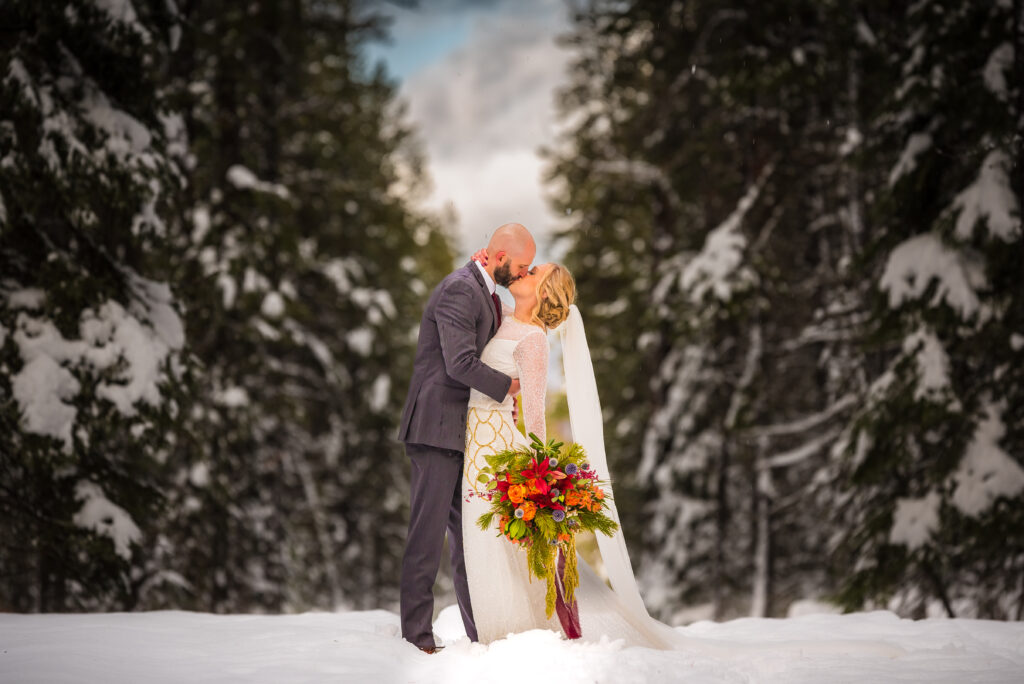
(542, 495)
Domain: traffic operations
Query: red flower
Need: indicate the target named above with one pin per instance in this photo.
(503, 486)
(536, 475)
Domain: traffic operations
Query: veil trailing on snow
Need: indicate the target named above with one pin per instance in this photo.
(588, 431)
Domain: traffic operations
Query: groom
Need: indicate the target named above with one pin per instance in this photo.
(461, 316)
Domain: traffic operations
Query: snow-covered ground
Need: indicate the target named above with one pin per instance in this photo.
(366, 647)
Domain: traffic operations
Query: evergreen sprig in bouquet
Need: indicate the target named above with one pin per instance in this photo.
(542, 496)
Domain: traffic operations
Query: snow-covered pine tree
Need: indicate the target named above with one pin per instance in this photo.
(933, 510)
(714, 194)
(305, 267)
(91, 360)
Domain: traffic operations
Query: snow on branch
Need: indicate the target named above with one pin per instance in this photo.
(244, 179)
(932, 364)
(914, 520)
(915, 263)
(127, 350)
(642, 173)
(999, 63)
(918, 144)
(990, 197)
(801, 453)
(986, 471)
(803, 424)
(718, 268)
(105, 518)
(123, 12)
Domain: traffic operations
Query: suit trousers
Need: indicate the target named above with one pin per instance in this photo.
(435, 505)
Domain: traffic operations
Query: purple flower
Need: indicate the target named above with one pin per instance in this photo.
(571, 469)
(552, 463)
(555, 492)
(520, 513)
(558, 515)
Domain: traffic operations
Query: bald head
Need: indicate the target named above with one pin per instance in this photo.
(509, 253)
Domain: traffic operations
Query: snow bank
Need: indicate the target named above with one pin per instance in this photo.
(366, 647)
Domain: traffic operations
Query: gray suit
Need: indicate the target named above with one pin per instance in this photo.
(458, 321)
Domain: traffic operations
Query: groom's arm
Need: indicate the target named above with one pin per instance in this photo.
(456, 330)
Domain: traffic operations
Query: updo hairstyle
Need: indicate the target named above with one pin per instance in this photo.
(556, 292)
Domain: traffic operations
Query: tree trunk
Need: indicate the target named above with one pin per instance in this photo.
(1017, 173)
(761, 600)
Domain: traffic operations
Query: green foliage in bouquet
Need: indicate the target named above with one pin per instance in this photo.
(542, 496)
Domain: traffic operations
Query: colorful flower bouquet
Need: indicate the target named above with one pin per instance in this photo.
(542, 495)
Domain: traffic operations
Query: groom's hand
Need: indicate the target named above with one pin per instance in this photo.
(513, 389)
(480, 256)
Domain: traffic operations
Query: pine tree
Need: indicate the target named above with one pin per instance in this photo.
(92, 370)
(932, 516)
(304, 261)
(716, 183)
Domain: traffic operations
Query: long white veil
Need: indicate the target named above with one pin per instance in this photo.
(588, 431)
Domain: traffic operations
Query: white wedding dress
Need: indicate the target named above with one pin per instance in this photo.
(504, 597)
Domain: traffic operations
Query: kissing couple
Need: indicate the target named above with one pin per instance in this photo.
(474, 356)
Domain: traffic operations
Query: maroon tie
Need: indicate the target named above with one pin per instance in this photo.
(497, 305)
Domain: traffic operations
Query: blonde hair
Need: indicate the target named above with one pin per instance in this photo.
(556, 292)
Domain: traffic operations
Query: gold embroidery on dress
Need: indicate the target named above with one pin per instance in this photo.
(497, 426)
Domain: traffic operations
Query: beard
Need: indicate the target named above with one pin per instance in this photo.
(503, 275)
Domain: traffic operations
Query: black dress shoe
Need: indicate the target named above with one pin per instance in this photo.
(431, 649)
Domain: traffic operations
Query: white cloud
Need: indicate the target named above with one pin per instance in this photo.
(483, 112)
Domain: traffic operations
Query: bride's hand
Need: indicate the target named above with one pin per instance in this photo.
(481, 257)
(515, 410)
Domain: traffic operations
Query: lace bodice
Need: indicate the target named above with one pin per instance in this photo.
(519, 350)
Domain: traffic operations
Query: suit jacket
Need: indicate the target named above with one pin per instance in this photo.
(458, 321)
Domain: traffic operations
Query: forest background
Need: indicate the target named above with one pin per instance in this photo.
(796, 231)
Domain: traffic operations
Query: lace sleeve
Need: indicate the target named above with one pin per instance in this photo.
(531, 357)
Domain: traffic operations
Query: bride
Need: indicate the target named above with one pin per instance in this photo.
(504, 597)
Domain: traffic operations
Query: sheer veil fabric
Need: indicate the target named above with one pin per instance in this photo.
(588, 431)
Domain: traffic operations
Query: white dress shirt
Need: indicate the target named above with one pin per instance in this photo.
(491, 287)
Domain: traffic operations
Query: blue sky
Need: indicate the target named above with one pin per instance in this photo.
(480, 78)
(418, 39)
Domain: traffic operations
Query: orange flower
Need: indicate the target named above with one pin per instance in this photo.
(599, 494)
(517, 493)
(572, 498)
(504, 522)
(529, 510)
(564, 537)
